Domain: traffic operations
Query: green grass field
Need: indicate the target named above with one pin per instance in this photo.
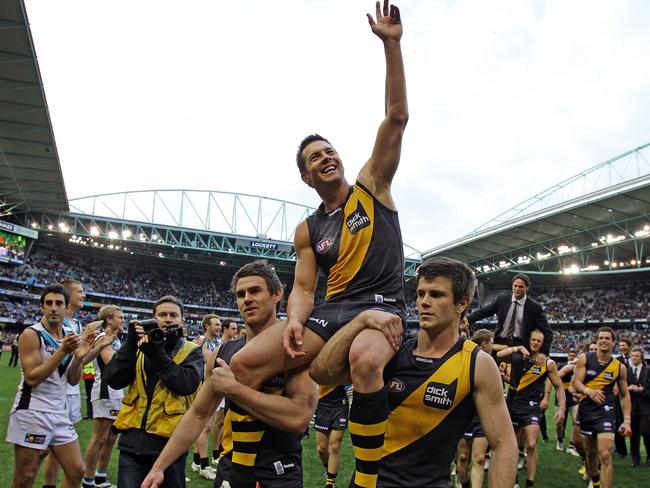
(557, 469)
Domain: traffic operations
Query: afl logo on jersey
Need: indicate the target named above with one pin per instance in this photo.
(323, 245)
(608, 375)
(395, 385)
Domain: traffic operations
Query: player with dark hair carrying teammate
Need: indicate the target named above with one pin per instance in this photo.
(282, 407)
(435, 384)
(526, 401)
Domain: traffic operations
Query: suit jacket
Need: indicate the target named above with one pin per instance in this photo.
(640, 401)
(534, 318)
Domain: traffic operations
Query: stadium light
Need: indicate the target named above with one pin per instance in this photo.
(614, 264)
(222, 263)
(63, 227)
(542, 256)
(606, 263)
(112, 234)
(633, 262)
(126, 233)
(34, 225)
(94, 231)
(642, 233)
(50, 227)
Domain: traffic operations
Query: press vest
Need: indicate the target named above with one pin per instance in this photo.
(161, 414)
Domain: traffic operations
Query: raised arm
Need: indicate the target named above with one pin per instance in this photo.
(484, 312)
(492, 410)
(301, 300)
(377, 174)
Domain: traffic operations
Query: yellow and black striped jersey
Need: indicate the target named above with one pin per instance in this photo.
(359, 248)
(276, 445)
(431, 405)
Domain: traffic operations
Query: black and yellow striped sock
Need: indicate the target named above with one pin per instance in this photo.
(247, 432)
(330, 481)
(595, 481)
(368, 419)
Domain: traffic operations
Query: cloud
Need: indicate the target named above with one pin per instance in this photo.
(506, 97)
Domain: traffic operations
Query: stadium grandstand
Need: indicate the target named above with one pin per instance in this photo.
(582, 241)
(585, 242)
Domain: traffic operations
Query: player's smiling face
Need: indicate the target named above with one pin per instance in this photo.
(255, 302)
(322, 164)
(605, 342)
(435, 302)
(116, 322)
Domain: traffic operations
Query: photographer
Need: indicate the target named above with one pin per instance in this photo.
(163, 372)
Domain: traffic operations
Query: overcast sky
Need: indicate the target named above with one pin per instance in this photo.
(506, 97)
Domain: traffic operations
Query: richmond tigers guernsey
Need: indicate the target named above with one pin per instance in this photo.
(531, 385)
(279, 460)
(599, 376)
(359, 248)
(431, 404)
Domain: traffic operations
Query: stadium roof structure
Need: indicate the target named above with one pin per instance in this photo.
(30, 173)
(212, 227)
(596, 222)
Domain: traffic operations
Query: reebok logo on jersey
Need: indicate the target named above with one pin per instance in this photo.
(439, 395)
(35, 439)
(608, 375)
(279, 469)
(536, 370)
(324, 244)
(358, 220)
(396, 385)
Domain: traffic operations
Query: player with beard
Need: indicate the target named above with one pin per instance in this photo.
(284, 404)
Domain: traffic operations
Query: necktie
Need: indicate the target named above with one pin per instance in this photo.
(510, 329)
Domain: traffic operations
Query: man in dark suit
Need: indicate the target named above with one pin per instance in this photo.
(638, 379)
(517, 316)
(620, 447)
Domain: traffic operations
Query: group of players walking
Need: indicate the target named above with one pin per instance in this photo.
(412, 402)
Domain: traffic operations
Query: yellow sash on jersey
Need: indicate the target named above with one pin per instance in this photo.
(605, 377)
(531, 375)
(412, 420)
(353, 247)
